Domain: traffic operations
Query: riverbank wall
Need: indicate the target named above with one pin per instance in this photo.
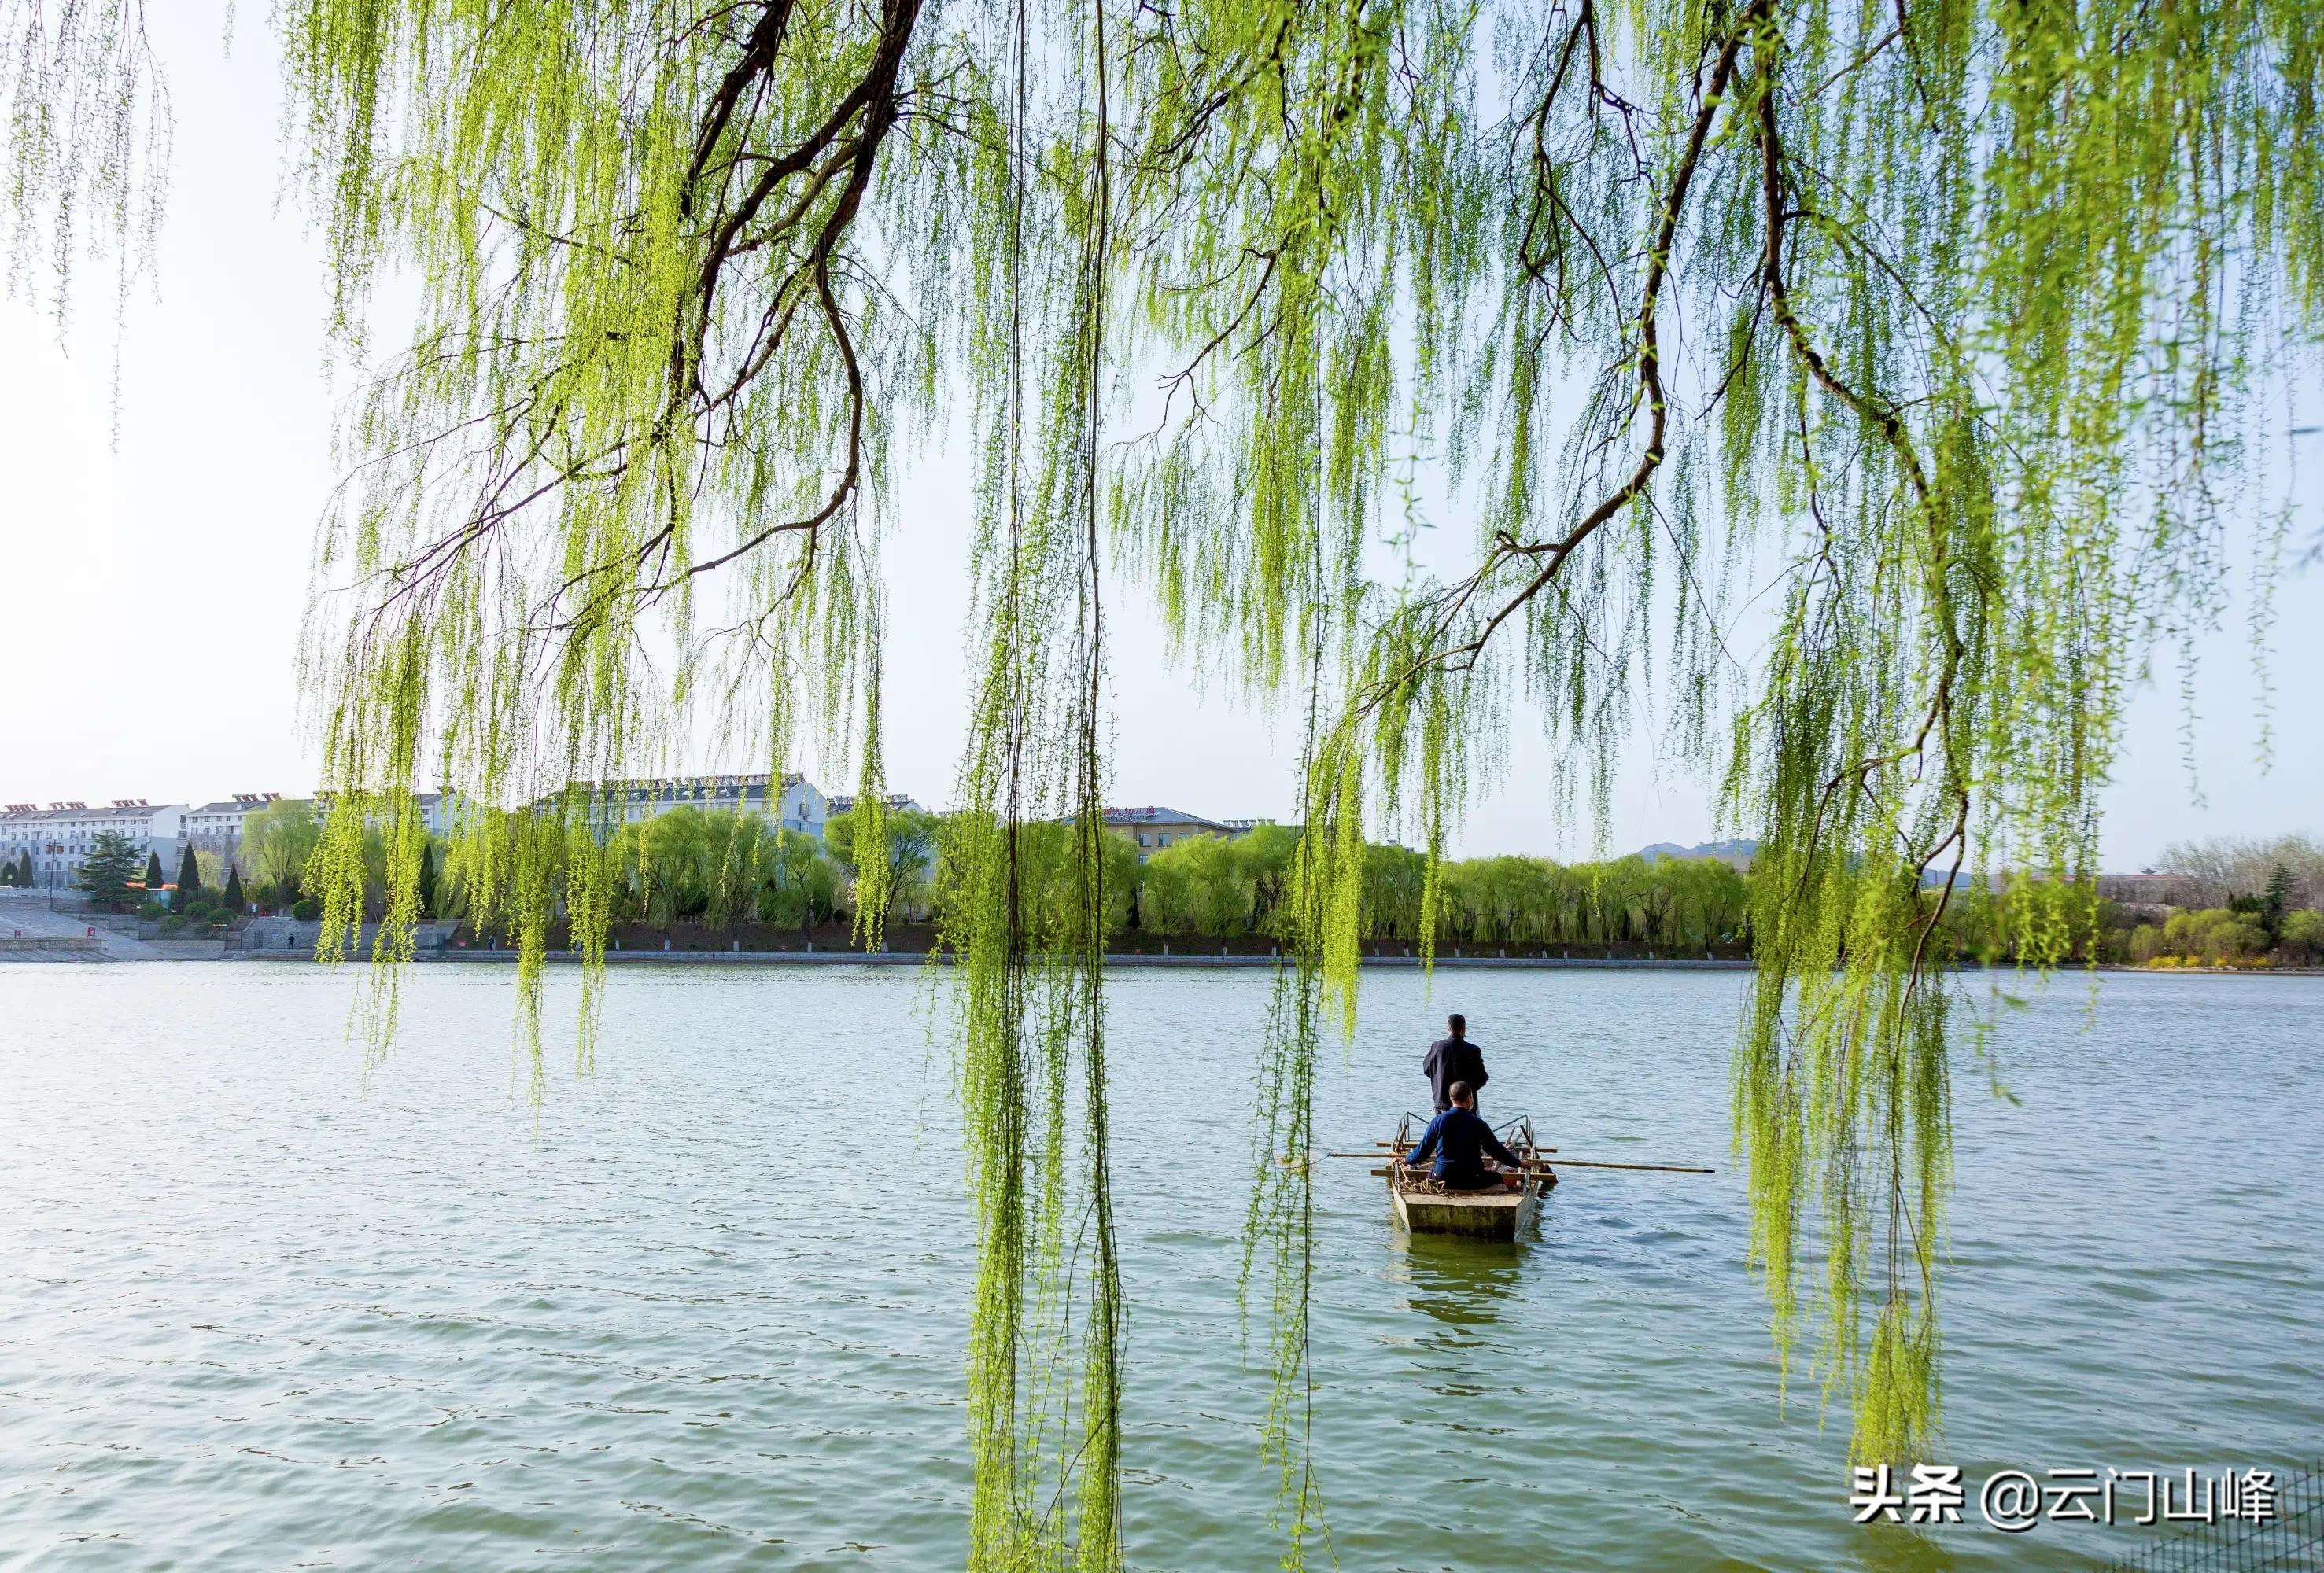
(1134, 961)
(836, 958)
(278, 939)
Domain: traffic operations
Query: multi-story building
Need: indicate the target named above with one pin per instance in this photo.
(60, 837)
(1154, 828)
(898, 802)
(441, 814)
(2149, 890)
(216, 828)
(794, 804)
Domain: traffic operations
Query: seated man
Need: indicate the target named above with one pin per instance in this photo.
(1461, 1141)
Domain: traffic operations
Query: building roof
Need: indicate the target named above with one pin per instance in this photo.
(901, 801)
(751, 779)
(755, 791)
(678, 789)
(1152, 814)
(240, 803)
(321, 800)
(125, 808)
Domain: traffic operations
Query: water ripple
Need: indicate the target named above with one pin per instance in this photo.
(268, 1310)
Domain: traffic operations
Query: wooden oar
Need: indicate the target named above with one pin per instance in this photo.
(1656, 1168)
(1567, 1163)
(1378, 1155)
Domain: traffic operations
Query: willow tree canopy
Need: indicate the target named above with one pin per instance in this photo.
(1950, 317)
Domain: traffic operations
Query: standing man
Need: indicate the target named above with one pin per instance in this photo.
(1452, 1059)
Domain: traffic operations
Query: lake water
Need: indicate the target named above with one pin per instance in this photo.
(262, 1309)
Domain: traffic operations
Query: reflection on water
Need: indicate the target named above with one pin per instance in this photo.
(1891, 1547)
(258, 1310)
(1459, 1282)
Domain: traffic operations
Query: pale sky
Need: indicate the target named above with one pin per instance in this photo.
(152, 592)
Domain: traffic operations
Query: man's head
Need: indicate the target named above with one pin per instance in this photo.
(1459, 1024)
(1461, 1096)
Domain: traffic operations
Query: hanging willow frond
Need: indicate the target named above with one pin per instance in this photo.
(85, 117)
(1027, 911)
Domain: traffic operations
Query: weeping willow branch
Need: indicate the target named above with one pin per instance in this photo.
(87, 126)
(1028, 908)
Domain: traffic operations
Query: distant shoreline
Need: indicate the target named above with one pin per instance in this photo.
(837, 957)
(1121, 960)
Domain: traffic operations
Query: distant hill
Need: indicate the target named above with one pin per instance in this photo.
(1738, 852)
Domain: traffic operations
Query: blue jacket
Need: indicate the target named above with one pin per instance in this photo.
(1460, 1142)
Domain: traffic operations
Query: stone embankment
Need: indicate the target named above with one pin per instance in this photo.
(35, 927)
(31, 930)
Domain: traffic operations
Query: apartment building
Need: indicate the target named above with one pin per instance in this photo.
(60, 835)
(1154, 828)
(794, 803)
(216, 828)
(896, 802)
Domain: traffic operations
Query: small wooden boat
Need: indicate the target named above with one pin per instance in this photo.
(1500, 1213)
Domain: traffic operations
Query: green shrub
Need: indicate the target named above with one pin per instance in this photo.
(152, 910)
(2303, 935)
(2215, 937)
(196, 910)
(305, 910)
(172, 924)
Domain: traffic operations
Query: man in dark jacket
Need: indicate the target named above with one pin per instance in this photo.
(1459, 1143)
(1452, 1059)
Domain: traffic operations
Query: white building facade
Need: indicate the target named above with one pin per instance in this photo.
(216, 828)
(442, 814)
(896, 802)
(795, 802)
(60, 837)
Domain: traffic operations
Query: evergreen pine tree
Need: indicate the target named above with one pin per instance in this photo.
(190, 879)
(153, 875)
(428, 879)
(232, 898)
(24, 871)
(2278, 898)
(107, 871)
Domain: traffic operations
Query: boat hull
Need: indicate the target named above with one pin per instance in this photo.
(1483, 1215)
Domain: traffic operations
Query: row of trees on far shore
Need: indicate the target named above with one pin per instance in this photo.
(720, 868)
(2237, 901)
(2230, 902)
